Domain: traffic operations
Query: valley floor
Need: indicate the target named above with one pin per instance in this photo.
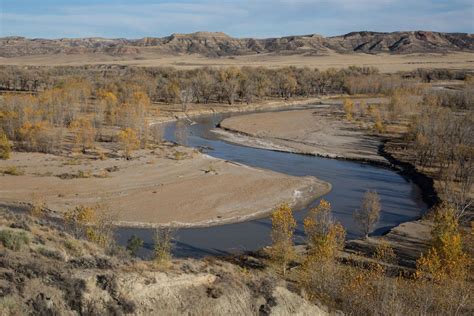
(387, 63)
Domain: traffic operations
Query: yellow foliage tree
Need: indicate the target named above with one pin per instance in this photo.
(446, 258)
(348, 107)
(110, 102)
(283, 226)
(325, 236)
(5, 147)
(129, 140)
(91, 223)
(33, 135)
(84, 134)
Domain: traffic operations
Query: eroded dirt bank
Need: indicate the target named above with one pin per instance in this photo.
(52, 273)
(167, 185)
(319, 132)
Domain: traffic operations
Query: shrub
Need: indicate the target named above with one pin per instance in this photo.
(14, 240)
(12, 171)
(50, 253)
(134, 244)
(12, 307)
(163, 245)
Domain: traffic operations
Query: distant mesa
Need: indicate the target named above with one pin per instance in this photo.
(216, 44)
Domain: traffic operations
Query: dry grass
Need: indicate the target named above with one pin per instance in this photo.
(386, 63)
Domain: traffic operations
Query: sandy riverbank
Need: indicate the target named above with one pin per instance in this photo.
(319, 131)
(155, 188)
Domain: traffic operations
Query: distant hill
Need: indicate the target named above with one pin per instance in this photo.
(220, 44)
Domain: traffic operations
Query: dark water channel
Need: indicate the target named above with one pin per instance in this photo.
(401, 199)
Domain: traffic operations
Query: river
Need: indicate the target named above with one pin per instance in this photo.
(401, 199)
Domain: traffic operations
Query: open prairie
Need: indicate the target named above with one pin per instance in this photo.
(387, 63)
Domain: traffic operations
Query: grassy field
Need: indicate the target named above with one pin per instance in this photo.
(385, 62)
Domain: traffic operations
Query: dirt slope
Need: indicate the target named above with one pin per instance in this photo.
(54, 274)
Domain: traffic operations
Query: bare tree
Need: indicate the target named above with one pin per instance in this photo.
(369, 212)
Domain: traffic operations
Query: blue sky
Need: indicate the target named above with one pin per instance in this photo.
(239, 18)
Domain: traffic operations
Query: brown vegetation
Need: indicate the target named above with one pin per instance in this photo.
(441, 283)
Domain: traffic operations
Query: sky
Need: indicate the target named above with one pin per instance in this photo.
(238, 18)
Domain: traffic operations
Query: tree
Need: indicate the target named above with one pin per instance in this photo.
(110, 103)
(134, 244)
(369, 212)
(186, 96)
(93, 223)
(283, 226)
(171, 90)
(325, 236)
(229, 83)
(286, 83)
(5, 147)
(129, 141)
(204, 85)
(348, 107)
(446, 258)
(84, 134)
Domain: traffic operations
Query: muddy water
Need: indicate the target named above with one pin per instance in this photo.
(400, 198)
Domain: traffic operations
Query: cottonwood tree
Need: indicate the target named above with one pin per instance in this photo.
(324, 235)
(37, 136)
(94, 223)
(186, 96)
(129, 141)
(369, 212)
(229, 83)
(84, 134)
(5, 147)
(446, 258)
(283, 225)
(204, 85)
(348, 107)
(109, 102)
(286, 83)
